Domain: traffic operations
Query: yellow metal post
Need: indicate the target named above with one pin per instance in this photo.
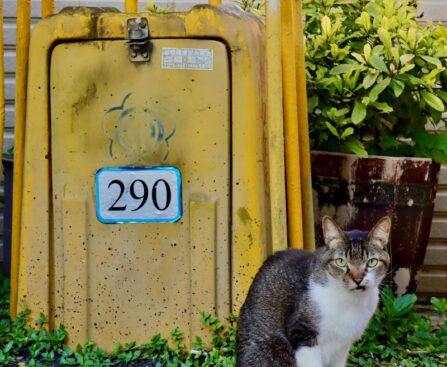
(47, 7)
(292, 150)
(23, 36)
(303, 128)
(275, 130)
(131, 6)
(297, 151)
(2, 76)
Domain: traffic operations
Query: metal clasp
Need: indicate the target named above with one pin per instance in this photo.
(140, 48)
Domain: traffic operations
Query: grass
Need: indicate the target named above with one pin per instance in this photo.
(397, 336)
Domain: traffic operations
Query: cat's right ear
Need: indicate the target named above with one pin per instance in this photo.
(332, 233)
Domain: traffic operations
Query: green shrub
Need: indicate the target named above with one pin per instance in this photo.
(154, 8)
(375, 78)
(398, 336)
(252, 6)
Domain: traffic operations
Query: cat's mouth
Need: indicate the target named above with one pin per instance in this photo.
(359, 288)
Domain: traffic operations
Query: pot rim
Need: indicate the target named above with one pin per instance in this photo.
(417, 159)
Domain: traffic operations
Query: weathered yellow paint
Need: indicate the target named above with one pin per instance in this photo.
(204, 248)
(292, 149)
(275, 128)
(297, 151)
(70, 264)
(47, 7)
(303, 128)
(129, 258)
(74, 281)
(2, 85)
(23, 36)
(131, 6)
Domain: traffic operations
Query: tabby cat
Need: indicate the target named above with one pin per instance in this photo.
(306, 309)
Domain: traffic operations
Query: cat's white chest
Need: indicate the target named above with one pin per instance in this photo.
(344, 314)
(342, 317)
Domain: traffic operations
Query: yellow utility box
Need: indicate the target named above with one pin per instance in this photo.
(145, 199)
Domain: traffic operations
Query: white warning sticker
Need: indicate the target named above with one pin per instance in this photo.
(187, 58)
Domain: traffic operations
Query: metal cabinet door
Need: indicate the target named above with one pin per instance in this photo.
(116, 280)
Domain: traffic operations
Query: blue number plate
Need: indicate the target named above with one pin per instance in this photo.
(138, 195)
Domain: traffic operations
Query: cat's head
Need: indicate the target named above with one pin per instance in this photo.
(358, 260)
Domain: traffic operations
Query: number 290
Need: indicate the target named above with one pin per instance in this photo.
(143, 195)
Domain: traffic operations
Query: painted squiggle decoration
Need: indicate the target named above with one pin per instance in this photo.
(136, 132)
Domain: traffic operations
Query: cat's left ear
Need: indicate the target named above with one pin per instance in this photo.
(381, 231)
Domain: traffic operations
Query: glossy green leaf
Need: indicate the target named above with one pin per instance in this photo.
(364, 20)
(326, 25)
(385, 37)
(344, 68)
(378, 88)
(398, 87)
(442, 95)
(433, 101)
(439, 156)
(358, 57)
(396, 55)
(404, 304)
(378, 63)
(358, 112)
(332, 129)
(356, 147)
(412, 37)
(312, 102)
(432, 60)
(406, 58)
(341, 112)
(367, 51)
(382, 106)
(373, 10)
(406, 68)
(347, 132)
(369, 80)
(387, 297)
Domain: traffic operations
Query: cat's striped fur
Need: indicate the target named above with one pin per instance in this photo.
(306, 309)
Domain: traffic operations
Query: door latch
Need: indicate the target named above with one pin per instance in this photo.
(140, 48)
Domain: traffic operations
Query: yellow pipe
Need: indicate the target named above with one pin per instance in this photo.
(47, 7)
(2, 76)
(23, 36)
(131, 6)
(303, 128)
(292, 151)
(275, 131)
(215, 2)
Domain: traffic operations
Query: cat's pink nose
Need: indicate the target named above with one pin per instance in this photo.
(357, 280)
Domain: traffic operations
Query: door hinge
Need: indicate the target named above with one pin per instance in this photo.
(140, 47)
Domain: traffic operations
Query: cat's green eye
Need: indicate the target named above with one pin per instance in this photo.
(372, 263)
(340, 262)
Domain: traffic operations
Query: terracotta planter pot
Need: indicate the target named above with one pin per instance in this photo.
(358, 191)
